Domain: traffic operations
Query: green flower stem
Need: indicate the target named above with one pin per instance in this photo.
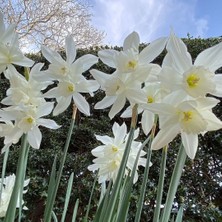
(3, 170)
(146, 173)
(90, 198)
(50, 202)
(117, 185)
(160, 185)
(181, 158)
(19, 181)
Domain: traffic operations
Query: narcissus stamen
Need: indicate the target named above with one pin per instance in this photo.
(114, 149)
(187, 116)
(193, 80)
(30, 120)
(71, 88)
(150, 99)
(132, 64)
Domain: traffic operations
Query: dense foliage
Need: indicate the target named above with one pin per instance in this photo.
(200, 189)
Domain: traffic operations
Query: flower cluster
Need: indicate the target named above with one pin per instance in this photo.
(7, 187)
(26, 105)
(176, 91)
(109, 155)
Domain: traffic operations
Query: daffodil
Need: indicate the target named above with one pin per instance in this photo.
(69, 75)
(10, 52)
(130, 60)
(7, 188)
(196, 79)
(118, 91)
(133, 68)
(154, 94)
(26, 120)
(109, 155)
(179, 114)
(23, 91)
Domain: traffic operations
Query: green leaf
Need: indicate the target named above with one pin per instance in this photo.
(68, 194)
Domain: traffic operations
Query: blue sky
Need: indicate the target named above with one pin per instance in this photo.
(154, 18)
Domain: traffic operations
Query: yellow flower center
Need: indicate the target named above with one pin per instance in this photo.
(115, 164)
(114, 149)
(71, 87)
(63, 70)
(30, 120)
(150, 99)
(132, 64)
(192, 80)
(187, 116)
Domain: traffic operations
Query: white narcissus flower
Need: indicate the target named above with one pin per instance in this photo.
(197, 78)
(27, 121)
(118, 91)
(9, 48)
(188, 117)
(130, 60)
(7, 188)
(132, 70)
(154, 94)
(69, 74)
(23, 91)
(109, 155)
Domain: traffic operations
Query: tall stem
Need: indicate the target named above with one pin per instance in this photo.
(177, 172)
(117, 185)
(160, 185)
(50, 202)
(19, 181)
(145, 178)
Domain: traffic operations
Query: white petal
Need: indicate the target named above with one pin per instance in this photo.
(131, 41)
(190, 143)
(178, 51)
(34, 137)
(45, 109)
(149, 53)
(100, 77)
(164, 137)
(104, 139)
(147, 121)
(136, 96)
(105, 102)
(166, 75)
(218, 81)
(48, 123)
(70, 49)
(119, 133)
(117, 106)
(81, 103)
(108, 57)
(84, 63)
(51, 56)
(210, 58)
(161, 108)
(62, 105)
(127, 113)
(23, 61)
(213, 123)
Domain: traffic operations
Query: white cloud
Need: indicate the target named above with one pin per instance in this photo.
(150, 18)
